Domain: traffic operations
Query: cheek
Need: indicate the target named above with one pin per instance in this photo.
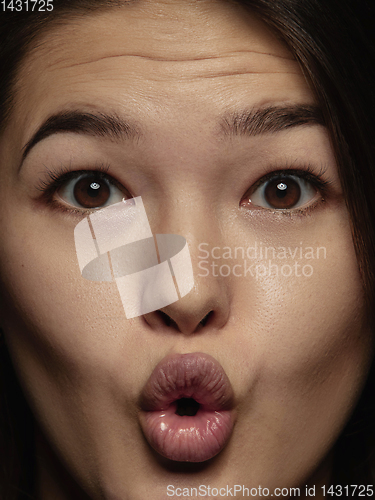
(305, 298)
(61, 327)
(302, 348)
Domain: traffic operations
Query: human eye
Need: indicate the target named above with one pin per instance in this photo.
(82, 190)
(287, 190)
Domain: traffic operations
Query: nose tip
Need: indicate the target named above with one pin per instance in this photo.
(205, 307)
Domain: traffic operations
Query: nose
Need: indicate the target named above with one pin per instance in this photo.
(205, 307)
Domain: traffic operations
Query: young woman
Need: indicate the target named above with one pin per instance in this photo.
(246, 128)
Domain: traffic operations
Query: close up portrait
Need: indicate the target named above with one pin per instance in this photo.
(187, 262)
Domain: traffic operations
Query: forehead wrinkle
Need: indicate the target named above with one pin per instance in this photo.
(187, 59)
(68, 44)
(235, 63)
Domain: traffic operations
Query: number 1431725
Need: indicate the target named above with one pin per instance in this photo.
(27, 5)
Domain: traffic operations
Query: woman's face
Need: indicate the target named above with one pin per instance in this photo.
(211, 105)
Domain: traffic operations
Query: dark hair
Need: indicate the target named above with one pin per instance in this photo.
(334, 43)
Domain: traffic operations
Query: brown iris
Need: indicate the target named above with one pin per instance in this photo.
(91, 192)
(282, 192)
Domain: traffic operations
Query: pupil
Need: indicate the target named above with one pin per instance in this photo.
(187, 406)
(90, 192)
(282, 193)
(282, 190)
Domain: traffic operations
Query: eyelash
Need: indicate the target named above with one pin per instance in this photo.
(56, 179)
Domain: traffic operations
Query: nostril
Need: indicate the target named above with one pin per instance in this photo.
(187, 406)
(206, 318)
(168, 321)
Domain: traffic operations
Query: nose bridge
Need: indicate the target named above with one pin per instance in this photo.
(193, 218)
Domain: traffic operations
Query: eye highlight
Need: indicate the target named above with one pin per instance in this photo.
(286, 190)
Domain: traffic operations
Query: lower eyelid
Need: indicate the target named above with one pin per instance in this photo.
(279, 215)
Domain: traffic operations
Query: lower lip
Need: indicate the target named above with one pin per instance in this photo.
(187, 438)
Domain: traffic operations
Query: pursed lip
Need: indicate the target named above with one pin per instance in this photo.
(193, 375)
(195, 438)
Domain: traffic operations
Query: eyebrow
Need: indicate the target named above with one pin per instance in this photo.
(250, 123)
(271, 119)
(97, 125)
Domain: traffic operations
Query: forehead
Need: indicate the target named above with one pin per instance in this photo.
(172, 55)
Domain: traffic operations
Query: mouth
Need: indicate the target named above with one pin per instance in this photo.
(186, 407)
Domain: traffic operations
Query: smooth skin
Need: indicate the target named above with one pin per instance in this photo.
(296, 349)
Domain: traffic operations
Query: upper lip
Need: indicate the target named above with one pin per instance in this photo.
(194, 375)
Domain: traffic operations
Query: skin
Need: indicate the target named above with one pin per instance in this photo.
(296, 349)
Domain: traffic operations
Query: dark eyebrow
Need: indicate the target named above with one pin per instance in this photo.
(250, 123)
(258, 121)
(98, 125)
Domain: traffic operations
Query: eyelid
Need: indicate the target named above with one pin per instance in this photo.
(308, 172)
(55, 178)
